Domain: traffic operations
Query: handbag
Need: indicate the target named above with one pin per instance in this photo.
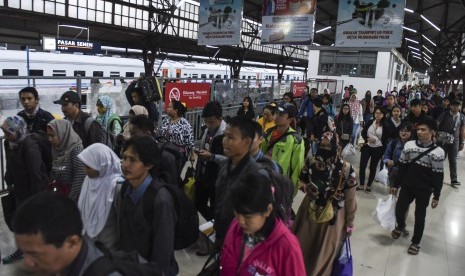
(189, 183)
(9, 208)
(343, 265)
(321, 214)
(443, 137)
(59, 187)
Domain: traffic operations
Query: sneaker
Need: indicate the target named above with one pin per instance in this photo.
(18, 255)
(455, 183)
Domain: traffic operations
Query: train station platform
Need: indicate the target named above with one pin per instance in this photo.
(375, 253)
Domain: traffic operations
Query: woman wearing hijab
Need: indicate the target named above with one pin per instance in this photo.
(67, 169)
(108, 120)
(103, 169)
(28, 162)
(324, 185)
(123, 137)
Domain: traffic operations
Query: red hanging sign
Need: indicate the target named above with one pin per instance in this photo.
(298, 88)
(193, 94)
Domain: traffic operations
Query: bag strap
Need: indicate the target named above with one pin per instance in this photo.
(423, 154)
(341, 177)
(271, 144)
(241, 255)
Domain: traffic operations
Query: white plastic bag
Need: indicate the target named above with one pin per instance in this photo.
(348, 153)
(385, 213)
(382, 176)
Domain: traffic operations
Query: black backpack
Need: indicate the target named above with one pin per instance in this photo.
(107, 137)
(187, 224)
(169, 147)
(126, 264)
(283, 191)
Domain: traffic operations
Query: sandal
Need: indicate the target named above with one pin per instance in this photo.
(368, 190)
(395, 234)
(413, 249)
(359, 188)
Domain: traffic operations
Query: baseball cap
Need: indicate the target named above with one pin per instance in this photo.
(288, 109)
(69, 97)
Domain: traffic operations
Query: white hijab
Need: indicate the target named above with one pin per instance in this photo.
(96, 198)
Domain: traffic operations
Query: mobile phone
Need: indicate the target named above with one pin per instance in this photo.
(196, 150)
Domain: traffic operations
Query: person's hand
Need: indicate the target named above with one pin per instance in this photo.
(390, 163)
(312, 137)
(434, 203)
(393, 191)
(301, 185)
(193, 157)
(349, 228)
(205, 154)
(371, 140)
(461, 147)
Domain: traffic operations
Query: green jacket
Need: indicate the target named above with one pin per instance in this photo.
(288, 152)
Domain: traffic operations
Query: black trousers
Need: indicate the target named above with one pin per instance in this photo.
(203, 196)
(406, 196)
(374, 155)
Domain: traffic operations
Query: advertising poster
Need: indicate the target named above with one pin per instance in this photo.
(298, 88)
(220, 22)
(288, 21)
(193, 94)
(370, 23)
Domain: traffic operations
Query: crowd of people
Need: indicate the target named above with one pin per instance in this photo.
(80, 197)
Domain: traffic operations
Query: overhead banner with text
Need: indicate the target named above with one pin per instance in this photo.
(193, 94)
(288, 21)
(220, 22)
(376, 24)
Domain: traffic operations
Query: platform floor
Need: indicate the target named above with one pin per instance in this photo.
(374, 252)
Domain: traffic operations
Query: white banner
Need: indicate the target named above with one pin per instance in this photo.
(220, 22)
(362, 24)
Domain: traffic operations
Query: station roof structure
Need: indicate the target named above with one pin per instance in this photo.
(433, 39)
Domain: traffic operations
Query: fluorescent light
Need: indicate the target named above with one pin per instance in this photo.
(408, 29)
(413, 48)
(417, 57)
(408, 10)
(209, 46)
(453, 67)
(463, 61)
(411, 40)
(426, 55)
(424, 36)
(316, 44)
(427, 49)
(431, 23)
(447, 70)
(324, 29)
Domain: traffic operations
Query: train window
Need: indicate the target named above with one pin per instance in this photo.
(225, 77)
(211, 76)
(243, 77)
(195, 75)
(203, 76)
(59, 73)
(142, 74)
(10, 72)
(129, 74)
(249, 77)
(36, 73)
(82, 73)
(97, 73)
(218, 76)
(114, 74)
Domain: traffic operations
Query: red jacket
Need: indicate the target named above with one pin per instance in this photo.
(279, 254)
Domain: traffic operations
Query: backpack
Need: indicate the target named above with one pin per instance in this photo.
(283, 193)
(106, 138)
(151, 89)
(126, 264)
(167, 146)
(186, 231)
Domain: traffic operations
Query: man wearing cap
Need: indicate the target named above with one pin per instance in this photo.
(450, 136)
(35, 117)
(284, 145)
(71, 107)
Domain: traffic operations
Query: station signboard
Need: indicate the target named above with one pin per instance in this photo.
(363, 24)
(288, 21)
(193, 94)
(72, 45)
(220, 22)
